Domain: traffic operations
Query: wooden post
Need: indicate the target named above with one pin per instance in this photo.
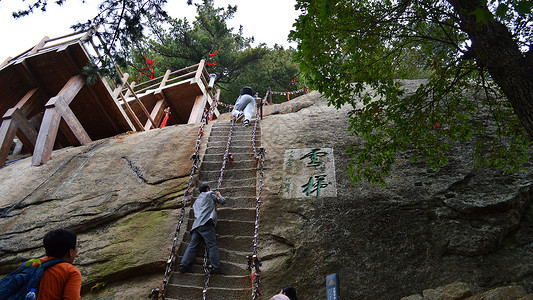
(7, 133)
(15, 123)
(139, 102)
(47, 137)
(198, 76)
(56, 108)
(138, 125)
(156, 115)
(197, 109)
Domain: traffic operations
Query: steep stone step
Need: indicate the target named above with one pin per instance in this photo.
(237, 157)
(235, 265)
(232, 248)
(227, 213)
(237, 256)
(229, 174)
(232, 227)
(232, 149)
(224, 127)
(229, 187)
(234, 143)
(217, 165)
(216, 281)
(180, 292)
(223, 135)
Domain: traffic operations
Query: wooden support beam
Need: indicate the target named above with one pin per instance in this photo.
(157, 113)
(137, 123)
(8, 130)
(139, 102)
(197, 109)
(73, 123)
(47, 137)
(25, 131)
(56, 108)
(101, 108)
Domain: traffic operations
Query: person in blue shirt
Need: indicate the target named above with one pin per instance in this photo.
(203, 228)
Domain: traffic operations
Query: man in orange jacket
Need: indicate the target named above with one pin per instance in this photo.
(63, 280)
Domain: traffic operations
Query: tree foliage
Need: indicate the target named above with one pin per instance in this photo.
(178, 44)
(355, 52)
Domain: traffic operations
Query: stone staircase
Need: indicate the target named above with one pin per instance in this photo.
(236, 219)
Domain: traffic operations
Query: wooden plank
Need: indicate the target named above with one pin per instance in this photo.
(197, 110)
(157, 113)
(47, 136)
(8, 131)
(73, 123)
(29, 75)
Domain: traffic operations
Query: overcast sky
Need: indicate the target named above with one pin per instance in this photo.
(269, 21)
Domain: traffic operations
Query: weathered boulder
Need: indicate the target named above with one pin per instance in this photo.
(121, 195)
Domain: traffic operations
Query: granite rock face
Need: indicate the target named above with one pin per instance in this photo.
(120, 195)
(424, 229)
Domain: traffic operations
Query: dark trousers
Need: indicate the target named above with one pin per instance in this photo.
(206, 233)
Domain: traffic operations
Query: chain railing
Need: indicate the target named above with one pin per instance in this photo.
(157, 293)
(254, 262)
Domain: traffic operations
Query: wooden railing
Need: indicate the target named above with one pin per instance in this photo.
(128, 92)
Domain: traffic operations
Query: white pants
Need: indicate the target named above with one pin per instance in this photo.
(246, 104)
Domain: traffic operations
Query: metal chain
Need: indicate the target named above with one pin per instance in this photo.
(160, 294)
(291, 92)
(226, 153)
(253, 260)
(207, 271)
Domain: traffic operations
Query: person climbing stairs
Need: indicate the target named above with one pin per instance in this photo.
(236, 219)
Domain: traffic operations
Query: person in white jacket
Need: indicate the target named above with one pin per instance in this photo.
(203, 228)
(245, 105)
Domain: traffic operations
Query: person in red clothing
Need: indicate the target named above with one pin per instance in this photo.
(63, 280)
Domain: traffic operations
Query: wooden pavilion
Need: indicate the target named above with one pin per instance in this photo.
(47, 104)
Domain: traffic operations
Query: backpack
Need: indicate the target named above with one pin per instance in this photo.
(18, 283)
